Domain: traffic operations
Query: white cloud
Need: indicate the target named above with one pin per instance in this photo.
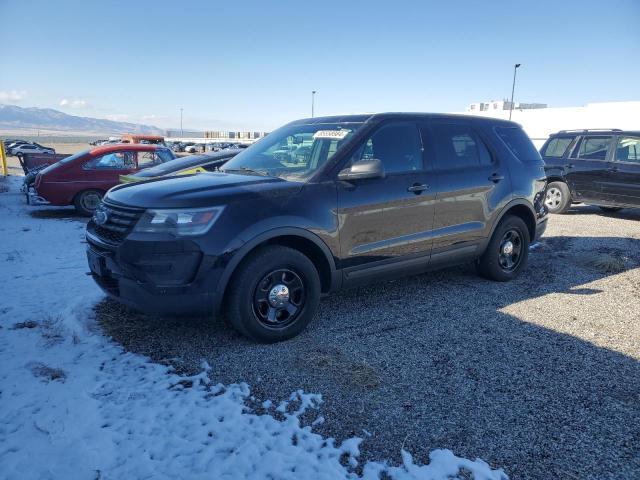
(12, 95)
(77, 103)
(118, 117)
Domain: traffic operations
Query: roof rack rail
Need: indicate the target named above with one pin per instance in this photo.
(591, 130)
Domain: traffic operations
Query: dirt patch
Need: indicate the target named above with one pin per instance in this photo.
(47, 373)
(345, 370)
(27, 324)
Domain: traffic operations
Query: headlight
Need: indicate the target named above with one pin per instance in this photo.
(194, 221)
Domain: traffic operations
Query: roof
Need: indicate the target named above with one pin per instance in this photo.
(371, 117)
(118, 147)
(143, 137)
(595, 131)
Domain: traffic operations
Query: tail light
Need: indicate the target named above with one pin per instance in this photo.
(38, 180)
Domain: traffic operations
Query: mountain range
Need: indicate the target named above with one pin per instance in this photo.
(19, 120)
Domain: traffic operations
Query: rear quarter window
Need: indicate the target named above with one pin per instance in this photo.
(519, 144)
(556, 147)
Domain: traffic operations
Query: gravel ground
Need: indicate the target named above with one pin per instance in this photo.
(540, 376)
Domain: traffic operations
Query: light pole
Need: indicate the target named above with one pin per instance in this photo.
(181, 131)
(513, 87)
(313, 98)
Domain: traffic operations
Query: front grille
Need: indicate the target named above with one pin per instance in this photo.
(120, 221)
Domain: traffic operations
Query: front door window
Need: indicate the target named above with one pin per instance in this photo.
(593, 148)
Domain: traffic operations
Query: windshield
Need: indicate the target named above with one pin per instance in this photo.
(294, 152)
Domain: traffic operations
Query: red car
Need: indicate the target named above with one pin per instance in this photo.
(82, 179)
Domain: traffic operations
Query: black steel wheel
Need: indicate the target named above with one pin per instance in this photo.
(273, 294)
(279, 298)
(507, 252)
(510, 253)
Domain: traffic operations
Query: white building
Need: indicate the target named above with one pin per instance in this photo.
(539, 122)
(502, 105)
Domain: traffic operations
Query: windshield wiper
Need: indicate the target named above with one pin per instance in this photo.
(262, 173)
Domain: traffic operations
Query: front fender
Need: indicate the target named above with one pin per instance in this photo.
(257, 234)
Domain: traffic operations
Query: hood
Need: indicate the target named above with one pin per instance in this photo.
(201, 190)
(185, 163)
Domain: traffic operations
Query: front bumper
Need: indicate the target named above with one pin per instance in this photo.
(162, 278)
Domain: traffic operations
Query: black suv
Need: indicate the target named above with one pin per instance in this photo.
(598, 167)
(318, 205)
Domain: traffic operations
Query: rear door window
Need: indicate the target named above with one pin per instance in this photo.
(592, 148)
(519, 143)
(457, 146)
(112, 161)
(628, 149)
(556, 147)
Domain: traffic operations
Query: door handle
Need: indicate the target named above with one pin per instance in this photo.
(418, 188)
(614, 169)
(571, 165)
(496, 177)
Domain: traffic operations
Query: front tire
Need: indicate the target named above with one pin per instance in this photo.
(558, 197)
(508, 251)
(273, 295)
(87, 201)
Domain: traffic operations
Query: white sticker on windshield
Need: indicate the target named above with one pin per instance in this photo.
(331, 134)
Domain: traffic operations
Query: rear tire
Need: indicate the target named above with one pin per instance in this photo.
(558, 197)
(508, 251)
(87, 201)
(273, 295)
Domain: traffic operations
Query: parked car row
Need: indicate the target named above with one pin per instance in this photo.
(195, 147)
(20, 147)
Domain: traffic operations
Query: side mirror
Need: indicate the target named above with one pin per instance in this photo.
(362, 170)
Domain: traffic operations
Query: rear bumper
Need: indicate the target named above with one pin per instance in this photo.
(33, 198)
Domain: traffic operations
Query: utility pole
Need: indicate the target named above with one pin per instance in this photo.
(181, 130)
(513, 87)
(313, 97)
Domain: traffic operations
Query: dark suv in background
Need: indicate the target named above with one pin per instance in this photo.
(318, 205)
(598, 167)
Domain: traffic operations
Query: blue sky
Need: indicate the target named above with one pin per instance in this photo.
(253, 64)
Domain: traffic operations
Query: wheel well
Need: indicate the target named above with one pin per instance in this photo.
(311, 250)
(303, 245)
(555, 178)
(87, 190)
(526, 215)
